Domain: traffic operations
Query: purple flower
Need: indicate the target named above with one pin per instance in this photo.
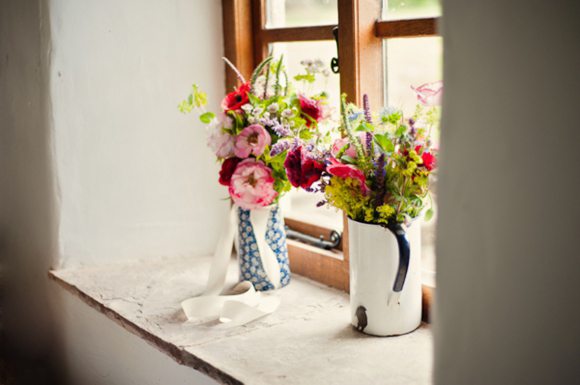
(380, 179)
(280, 147)
(355, 115)
(369, 141)
(367, 109)
(280, 129)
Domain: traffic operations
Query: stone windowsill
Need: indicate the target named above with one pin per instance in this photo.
(308, 340)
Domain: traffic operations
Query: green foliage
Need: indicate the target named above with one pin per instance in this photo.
(348, 159)
(195, 99)
(401, 130)
(310, 78)
(384, 143)
(207, 117)
(259, 69)
(392, 118)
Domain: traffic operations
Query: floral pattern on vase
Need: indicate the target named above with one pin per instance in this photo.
(251, 266)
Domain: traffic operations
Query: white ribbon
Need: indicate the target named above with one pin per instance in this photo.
(248, 304)
(259, 220)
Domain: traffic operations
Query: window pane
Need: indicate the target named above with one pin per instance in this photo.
(295, 13)
(303, 204)
(410, 9)
(414, 62)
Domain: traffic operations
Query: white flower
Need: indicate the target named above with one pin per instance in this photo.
(218, 140)
(318, 63)
(266, 115)
(247, 107)
(273, 108)
(258, 110)
(251, 119)
(287, 113)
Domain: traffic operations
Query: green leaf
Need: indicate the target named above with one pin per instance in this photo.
(384, 142)
(361, 127)
(305, 134)
(428, 214)
(347, 159)
(207, 117)
(401, 130)
(278, 158)
(259, 69)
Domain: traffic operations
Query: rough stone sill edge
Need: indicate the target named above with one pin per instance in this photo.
(181, 356)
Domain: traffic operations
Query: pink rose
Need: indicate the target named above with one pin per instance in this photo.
(252, 185)
(253, 139)
(430, 94)
(340, 143)
(348, 171)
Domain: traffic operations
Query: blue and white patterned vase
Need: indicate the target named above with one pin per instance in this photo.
(249, 256)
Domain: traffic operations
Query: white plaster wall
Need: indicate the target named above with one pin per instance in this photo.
(98, 166)
(135, 177)
(508, 246)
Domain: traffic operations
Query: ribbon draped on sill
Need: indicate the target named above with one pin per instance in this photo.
(246, 304)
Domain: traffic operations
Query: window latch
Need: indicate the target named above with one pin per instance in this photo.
(334, 61)
(335, 239)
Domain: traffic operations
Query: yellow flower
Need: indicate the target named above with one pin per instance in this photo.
(411, 166)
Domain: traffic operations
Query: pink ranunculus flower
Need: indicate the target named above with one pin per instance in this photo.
(252, 185)
(340, 143)
(253, 139)
(218, 140)
(430, 94)
(348, 171)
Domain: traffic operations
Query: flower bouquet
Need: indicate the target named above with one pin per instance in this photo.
(250, 136)
(378, 175)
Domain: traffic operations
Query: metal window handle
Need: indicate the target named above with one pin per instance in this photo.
(335, 239)
(334, 61)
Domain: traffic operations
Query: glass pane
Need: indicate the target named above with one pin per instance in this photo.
(303, 204)
(295, 13)
(410, 9)
(414, 62)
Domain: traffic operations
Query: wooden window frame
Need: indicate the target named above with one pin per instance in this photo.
(360, 53)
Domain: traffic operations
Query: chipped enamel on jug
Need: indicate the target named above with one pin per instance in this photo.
(381, 304)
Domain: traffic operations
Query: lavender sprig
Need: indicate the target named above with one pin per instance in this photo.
(367, 109)
(280, 129)
(413, 130)
(280, 147)
(369, 143)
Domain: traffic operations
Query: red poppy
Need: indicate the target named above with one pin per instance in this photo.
(310, 108)
(235, 100)
(228, 168)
